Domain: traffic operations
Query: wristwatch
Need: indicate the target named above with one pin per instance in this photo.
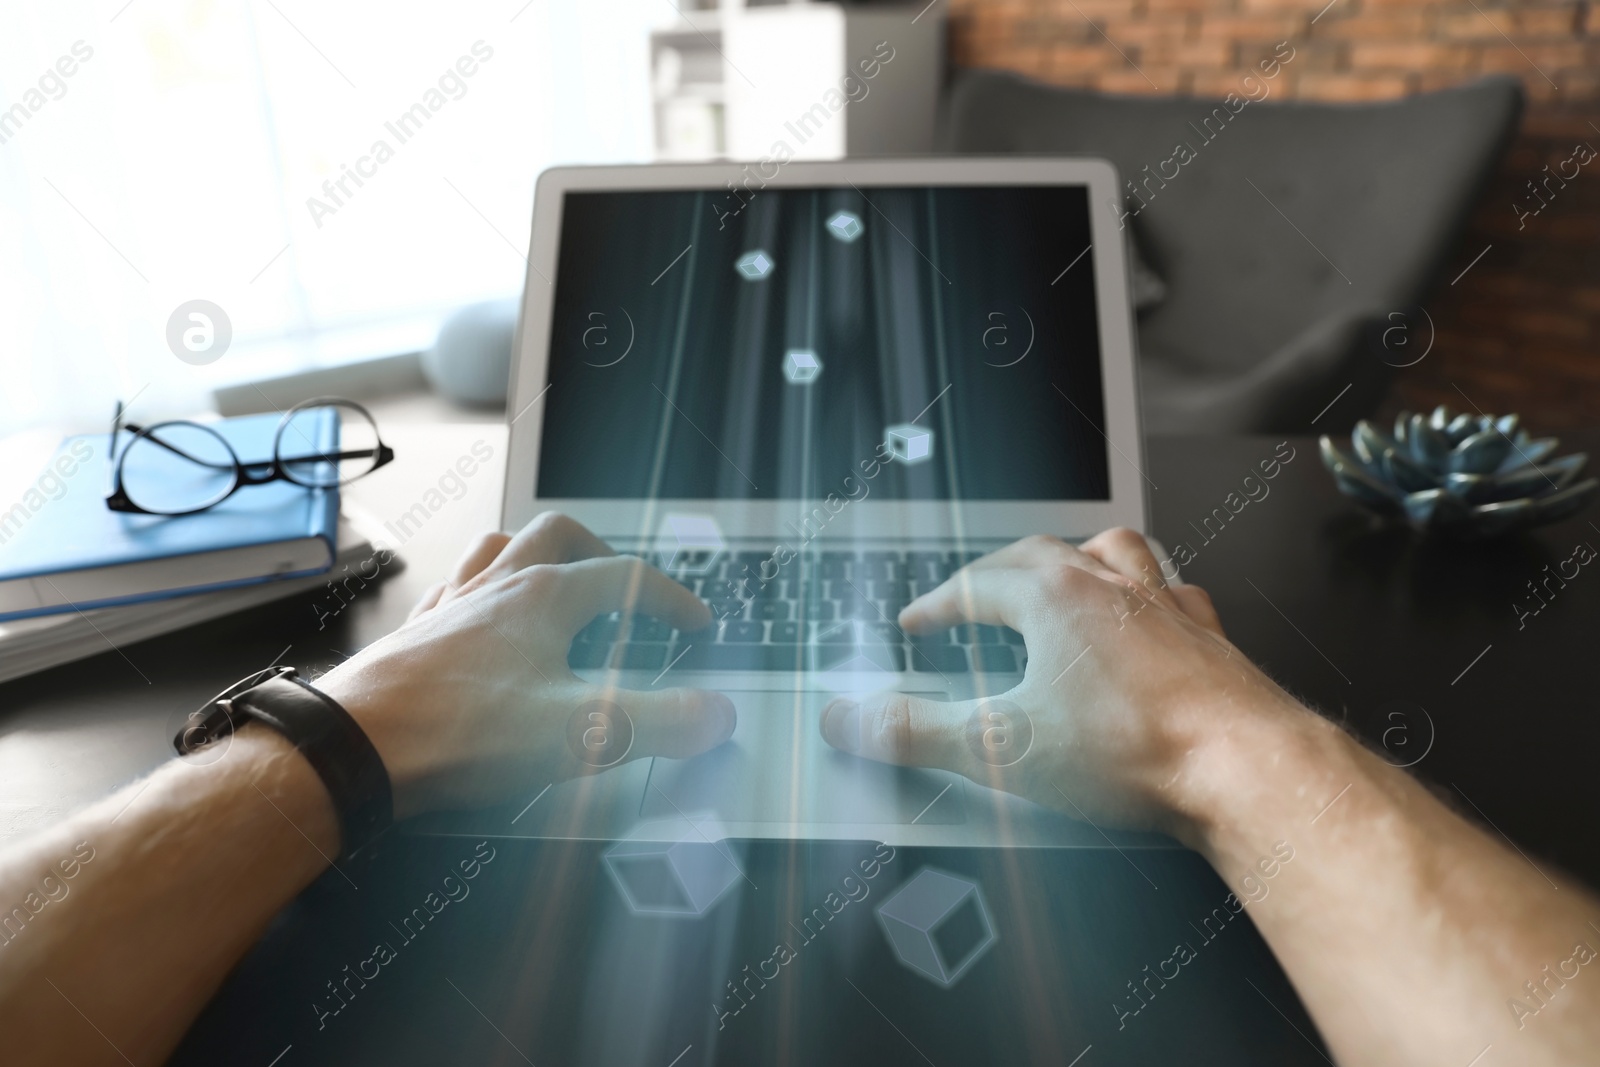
(331, 741)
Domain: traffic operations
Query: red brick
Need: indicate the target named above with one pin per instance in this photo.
(1311, 56)
(1492, 388)
(1401, 55)
(1160, 8)
(1091, 9)
(1089, 57)
(1558, 21)
(1213, 84)
(1286, 86)
(1286, 7)
(1206, 55)
(1366, 25)
(1502, 223)
(1561, 125)
(1487, 24)
(1581, 84)
(1006, 8)
(1530, 58)
(1548, 324)
(1511, 288)
(1321, 86)
(1168, 29)
(1574, 226)
(1269, 28)
(1526, 155)
(981, 18)
(1559, 368)
(1050, 31)
(1472, 345)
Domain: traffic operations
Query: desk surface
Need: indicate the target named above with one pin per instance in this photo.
(1417, 647)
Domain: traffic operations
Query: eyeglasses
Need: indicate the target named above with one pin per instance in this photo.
(181, 468)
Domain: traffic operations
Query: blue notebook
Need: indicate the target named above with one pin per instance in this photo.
(62, 549)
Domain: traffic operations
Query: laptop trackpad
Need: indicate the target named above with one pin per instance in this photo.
(776, 768)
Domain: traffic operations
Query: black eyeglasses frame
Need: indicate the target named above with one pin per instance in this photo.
(244, 476)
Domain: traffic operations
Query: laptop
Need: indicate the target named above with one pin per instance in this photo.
(811, 396)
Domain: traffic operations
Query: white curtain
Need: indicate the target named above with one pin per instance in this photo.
(156, 152)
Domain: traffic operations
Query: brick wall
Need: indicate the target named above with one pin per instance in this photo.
(1521, 329)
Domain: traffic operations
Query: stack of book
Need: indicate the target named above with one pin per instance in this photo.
(77, 579)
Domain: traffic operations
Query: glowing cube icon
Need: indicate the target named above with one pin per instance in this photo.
(689, 544)
(677, 878)
(844, 225)
(937, 925)
(909, 443)
(754, 265)
(801, 365)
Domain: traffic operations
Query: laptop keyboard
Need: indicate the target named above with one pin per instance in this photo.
(827, 610)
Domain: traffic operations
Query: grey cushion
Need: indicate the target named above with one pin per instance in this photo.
(1290, 217)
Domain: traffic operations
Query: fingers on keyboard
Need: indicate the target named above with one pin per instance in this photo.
(821, 611)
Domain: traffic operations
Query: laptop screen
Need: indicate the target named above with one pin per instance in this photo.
(939, 342)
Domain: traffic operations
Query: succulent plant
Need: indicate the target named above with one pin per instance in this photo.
(1465, 475)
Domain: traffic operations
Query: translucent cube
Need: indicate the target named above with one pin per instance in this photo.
(801, 365)
(675, 879)
(689, 544)
(909, 443)
(754, 265)
(845, 225)
(937, 925)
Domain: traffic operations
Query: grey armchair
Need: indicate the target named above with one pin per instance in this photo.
(1285, 240)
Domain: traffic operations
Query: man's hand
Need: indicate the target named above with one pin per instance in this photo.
(471, 703)
(1129, 678)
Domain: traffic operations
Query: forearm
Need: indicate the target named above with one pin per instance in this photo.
(1408, 932)
(186, 868)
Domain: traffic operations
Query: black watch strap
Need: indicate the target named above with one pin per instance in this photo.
(331, 741)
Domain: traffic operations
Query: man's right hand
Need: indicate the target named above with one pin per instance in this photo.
(1129, 677)
(471, 703)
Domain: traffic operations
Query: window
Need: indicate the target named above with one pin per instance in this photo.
(335, 178)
